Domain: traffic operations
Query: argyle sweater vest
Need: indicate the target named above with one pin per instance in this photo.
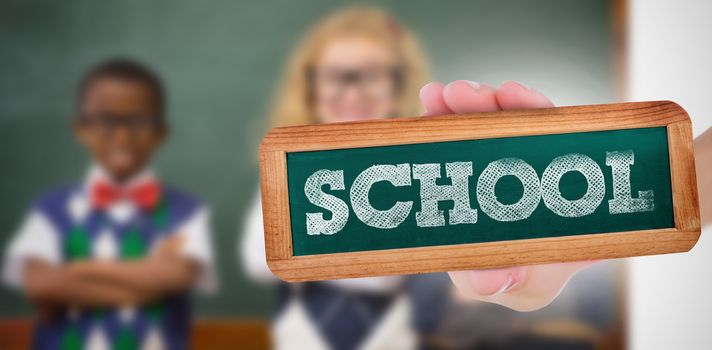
(163, 324)
(346, 318)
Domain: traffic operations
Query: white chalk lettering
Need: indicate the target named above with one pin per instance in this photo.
(431, 193)
(489, 203)
(398, 175)
(316, 224)
(455, 188)
(622, 201)
(554, 200)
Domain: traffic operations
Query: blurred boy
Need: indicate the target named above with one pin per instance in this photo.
(109, 261)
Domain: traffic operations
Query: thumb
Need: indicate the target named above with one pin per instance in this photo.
(523, 288)
(492, 281)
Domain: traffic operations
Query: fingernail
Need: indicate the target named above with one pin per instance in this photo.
(426, 86)
(496, 281)
(518, 275)
(518, 83)
(475, 85)
(505, 286)
(480, 86)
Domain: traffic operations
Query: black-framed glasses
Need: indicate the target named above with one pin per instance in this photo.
(373, 82)
(108, 124)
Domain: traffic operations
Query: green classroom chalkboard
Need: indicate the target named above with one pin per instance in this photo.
(478, 191)
(219, 91)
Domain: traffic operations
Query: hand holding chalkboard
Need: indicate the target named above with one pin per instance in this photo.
(522, 288)
(549, 164)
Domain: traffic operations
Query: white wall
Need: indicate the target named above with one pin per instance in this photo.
(670, 57)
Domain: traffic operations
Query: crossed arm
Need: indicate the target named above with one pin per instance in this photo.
(110, 283)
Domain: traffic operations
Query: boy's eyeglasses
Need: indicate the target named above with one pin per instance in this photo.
(107, 124)
(371, 82)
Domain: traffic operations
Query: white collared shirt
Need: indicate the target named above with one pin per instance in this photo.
(37, 237)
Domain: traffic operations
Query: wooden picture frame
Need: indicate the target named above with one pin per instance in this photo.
(400, 131)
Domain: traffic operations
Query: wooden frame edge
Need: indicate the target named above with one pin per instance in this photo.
(484, 255)
(511, 123)
(683, 177)
(276, 219)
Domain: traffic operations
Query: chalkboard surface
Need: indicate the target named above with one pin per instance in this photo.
(650, 172)
(485, 190)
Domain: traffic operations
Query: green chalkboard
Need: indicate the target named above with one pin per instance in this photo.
(220, 76)
(649, 171)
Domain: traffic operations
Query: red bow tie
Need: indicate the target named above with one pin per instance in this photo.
(145, 195)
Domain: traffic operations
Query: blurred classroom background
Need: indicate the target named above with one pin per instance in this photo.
(221, 61)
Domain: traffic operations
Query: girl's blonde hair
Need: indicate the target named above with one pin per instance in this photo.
(292, 103)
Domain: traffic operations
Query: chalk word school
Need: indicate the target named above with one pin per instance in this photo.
(478, 191)
(535, 190)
